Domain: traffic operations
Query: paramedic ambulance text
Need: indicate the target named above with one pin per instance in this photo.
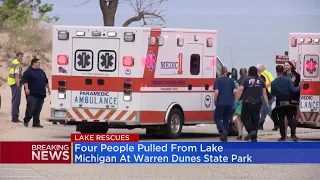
(309, 102)
(92, 97)
(154, 153)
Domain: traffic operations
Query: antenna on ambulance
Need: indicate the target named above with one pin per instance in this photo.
(231, 56)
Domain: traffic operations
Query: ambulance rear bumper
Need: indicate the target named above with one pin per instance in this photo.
(67, 121)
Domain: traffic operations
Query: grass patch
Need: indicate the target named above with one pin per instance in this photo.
(33, 39)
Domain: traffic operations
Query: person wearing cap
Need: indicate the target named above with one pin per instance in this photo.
(283, 88)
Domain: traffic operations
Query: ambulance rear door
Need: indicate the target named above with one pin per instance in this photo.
(95, 64)
(310, 89)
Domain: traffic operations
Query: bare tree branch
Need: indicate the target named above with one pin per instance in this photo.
(145, 10)
(85, 2)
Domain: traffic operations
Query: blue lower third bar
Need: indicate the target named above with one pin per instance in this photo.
(197, 153)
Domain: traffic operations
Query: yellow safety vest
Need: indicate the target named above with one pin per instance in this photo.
(269, 78)
(13, 66)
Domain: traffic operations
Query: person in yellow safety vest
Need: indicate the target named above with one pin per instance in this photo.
(267, 77)
(14, 78)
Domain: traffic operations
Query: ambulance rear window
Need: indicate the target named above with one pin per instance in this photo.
(195, 64)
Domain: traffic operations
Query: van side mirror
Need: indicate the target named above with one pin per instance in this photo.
(234, 74)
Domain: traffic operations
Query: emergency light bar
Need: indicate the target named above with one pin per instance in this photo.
(160, 41)
(209, 42)
(62, 60)
(128, 61)
(152, 41)
(180, 41)
(80, 33)
(309, 40)
(112, 34)
(301, 40)
(129, 37)
(316, 40)
(63, 35)
(96, 33)
(293, 42)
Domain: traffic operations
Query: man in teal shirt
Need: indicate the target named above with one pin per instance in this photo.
(282, 88)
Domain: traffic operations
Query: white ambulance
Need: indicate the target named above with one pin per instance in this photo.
(115, 77)
(304, 50)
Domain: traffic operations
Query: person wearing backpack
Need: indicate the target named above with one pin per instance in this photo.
(251, 90)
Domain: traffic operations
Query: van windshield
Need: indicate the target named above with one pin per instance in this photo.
(219, 65)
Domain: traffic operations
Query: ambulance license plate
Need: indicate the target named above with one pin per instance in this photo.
(60, 113)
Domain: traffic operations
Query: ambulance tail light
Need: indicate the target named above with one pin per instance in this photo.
(293, 42)
(62, 89)
(62, 59)
(127, 91)
(128, 61)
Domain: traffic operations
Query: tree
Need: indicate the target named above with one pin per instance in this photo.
(145, 10)
(19, 11)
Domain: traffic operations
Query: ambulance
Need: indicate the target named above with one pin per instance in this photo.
(160, 79)
(304, 50)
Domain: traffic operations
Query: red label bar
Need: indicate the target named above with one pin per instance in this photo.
(35, 152)
(105, 137)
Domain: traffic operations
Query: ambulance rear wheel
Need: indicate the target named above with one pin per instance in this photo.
(174, 125)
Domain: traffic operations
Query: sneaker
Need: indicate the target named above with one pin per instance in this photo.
(25, 124)
(37, 126)
(239, 138)
(250, 135)
(282, 139)
(16, 121)
(294, 138)
(224, 136)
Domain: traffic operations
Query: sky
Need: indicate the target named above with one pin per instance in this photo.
(249, 31)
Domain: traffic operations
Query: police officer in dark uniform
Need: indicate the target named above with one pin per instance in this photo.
(250, 91)
(282, 88)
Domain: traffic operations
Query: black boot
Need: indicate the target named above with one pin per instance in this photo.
(224, 136)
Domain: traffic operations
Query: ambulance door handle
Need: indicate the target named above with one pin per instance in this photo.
(189, 87)
(206, 87)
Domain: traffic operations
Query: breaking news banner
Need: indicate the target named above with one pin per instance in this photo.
(126, 149)
(53, 152)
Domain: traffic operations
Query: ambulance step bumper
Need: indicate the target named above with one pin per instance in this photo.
(57, 120)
